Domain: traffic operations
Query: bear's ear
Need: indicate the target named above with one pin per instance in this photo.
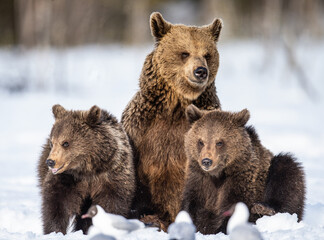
(58, 111)
(215, 28)
(94, 116)
(193, 113)
(242, 117)
(159, 27)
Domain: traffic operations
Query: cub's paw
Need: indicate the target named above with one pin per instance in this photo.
(261, 209)
(154, 221)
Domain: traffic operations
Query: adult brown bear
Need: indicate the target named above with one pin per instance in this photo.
(179, 71)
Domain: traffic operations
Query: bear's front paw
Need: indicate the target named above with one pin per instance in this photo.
(154, 221)
(261, 209)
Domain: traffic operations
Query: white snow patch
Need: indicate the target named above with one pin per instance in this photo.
(314, 215)
(280, 221)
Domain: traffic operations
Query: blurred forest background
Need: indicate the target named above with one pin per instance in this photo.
(61, 24)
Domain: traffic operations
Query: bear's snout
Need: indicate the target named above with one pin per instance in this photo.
(206, 162)
(50, 163)
(201, 73)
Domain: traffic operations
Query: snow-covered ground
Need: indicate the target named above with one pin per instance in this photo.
(284, 116)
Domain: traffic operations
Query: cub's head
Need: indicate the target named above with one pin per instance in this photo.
(216, 138)
(186, 56)
(77, 139)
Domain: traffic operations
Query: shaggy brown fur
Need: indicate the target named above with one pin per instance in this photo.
(285, 189)
(155, 118)
(92, 164)
(227, 164)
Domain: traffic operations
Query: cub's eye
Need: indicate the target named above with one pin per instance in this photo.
(65, 144)
(219, 144)
(207, 56)
(200, 143)
(184, 55)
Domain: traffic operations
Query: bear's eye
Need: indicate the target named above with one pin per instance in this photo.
(219, 144)
(184, 55)
(207, 56)
(201, 143)
(65, 144)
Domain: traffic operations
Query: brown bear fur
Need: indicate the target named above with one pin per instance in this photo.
(240, 170)
(93, 165)
(155, 118)
(286, 176)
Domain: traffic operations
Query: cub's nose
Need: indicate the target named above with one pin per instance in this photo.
(201, 73)
(50, 162)
(206, 162)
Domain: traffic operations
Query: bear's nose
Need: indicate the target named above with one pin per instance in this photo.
(206, 162)
(201, 73)
(50, 162)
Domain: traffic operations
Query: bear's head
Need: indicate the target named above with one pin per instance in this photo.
(216, 138)
(78, 139)
(186, 56)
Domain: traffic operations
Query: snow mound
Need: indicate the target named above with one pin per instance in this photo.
(280, 221)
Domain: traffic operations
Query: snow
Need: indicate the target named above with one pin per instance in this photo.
(280, 221)
(284, 116)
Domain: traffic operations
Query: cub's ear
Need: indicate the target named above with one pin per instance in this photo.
(94, 116)
(159, 27)
(242, 117)
(58, 111)
(193, 113)
(215, 28)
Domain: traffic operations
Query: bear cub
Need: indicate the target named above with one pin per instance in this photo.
(86, 160)
(228, 164)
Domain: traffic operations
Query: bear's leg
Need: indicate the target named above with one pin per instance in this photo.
(166, 193)
(285, 187)
(190, 202)
(83, 224)
(61, 202)
(206, 221)
(113, 200)
(141, 205)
